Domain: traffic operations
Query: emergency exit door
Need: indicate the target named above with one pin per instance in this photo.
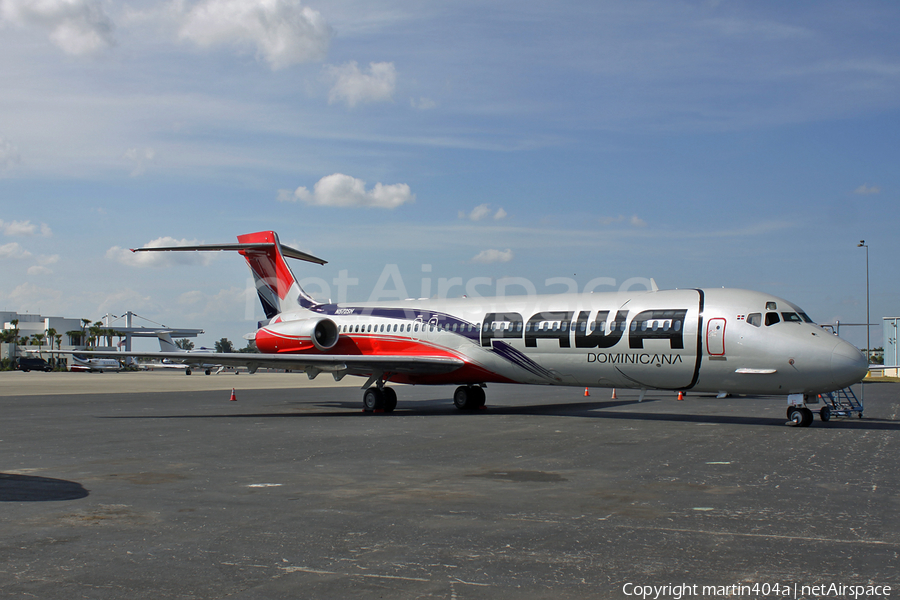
(715, 337)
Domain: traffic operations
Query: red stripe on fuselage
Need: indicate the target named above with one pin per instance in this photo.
(370, 345)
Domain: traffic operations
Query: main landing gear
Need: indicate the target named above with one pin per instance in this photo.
(379, 400)
(384, 399)
(468, 397)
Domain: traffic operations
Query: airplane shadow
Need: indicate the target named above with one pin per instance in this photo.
(29, 488)
(586, 410)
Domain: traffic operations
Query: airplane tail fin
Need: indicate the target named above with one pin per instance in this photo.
(165, 342)
(276, 285)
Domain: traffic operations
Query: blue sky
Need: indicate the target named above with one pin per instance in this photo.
(701, 143)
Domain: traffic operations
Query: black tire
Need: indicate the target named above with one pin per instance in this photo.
(187, 371)
(207, 371)
(373, 399)
(390, 399)
(468, 397)
(800, 416)
(825, 414)
(461, 397)
(479, 396)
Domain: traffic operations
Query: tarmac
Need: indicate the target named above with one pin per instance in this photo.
(156, 485)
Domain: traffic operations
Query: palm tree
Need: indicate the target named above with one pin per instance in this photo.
(38, 340)
(76, 334)
(15, 336)
(51, 334)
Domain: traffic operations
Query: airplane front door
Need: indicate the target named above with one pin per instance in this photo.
(715, 337)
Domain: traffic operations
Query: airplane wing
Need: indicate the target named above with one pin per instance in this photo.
(313, 364)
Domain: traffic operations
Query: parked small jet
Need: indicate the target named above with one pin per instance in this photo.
(186, 362)
(659, 339)
(88, 364)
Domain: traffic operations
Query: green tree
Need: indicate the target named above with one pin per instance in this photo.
(224, 345)
(250, 348)
(185, 344)
(38, 340)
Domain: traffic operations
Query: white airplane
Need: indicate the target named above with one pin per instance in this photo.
(92, 365)
(660, 339)
(185, 362)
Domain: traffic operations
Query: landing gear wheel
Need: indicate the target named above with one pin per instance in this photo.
(479, 396)
(799, 416)
(468, 397)
(373, 399)
(825, 414)
(390, 399)
(187, 371)
(207, 371)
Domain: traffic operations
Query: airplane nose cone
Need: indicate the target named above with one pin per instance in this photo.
(848, 365)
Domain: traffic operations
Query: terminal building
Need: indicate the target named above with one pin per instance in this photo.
(75, 334)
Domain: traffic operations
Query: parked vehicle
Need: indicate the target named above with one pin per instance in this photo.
(28, 363)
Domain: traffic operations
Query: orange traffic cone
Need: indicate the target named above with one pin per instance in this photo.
(233, 397)
(586, 393)
(614, 394)
(680, 396)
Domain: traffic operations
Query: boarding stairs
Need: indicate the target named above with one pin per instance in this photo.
(840, 403)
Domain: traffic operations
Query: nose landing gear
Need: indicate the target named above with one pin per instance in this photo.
(799, 416)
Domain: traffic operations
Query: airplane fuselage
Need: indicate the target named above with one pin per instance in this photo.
(719, 340)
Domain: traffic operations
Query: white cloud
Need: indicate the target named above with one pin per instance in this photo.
(422, 103)
(9, 154)
(493, 256)
(483, 211)
(42, 267)
(866, 189)
(159, 259)
(78, 27)
(23, 228)
(13, 251)
(284, 32)
(634, 220)
(31, 298)
(342, 190)
(352, 86)
(139, 158)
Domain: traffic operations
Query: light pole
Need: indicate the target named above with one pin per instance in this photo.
(862, 244)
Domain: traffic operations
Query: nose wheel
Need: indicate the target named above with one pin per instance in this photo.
(799, 416)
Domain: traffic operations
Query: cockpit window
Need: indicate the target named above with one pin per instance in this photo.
(755, 319)
(806, 318)
(791, 317)
(772, 318)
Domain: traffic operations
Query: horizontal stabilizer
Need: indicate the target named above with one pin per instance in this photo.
(263, 246)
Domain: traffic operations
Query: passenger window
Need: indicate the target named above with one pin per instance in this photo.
(791, 317)
(772, 318)
(755, 319)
